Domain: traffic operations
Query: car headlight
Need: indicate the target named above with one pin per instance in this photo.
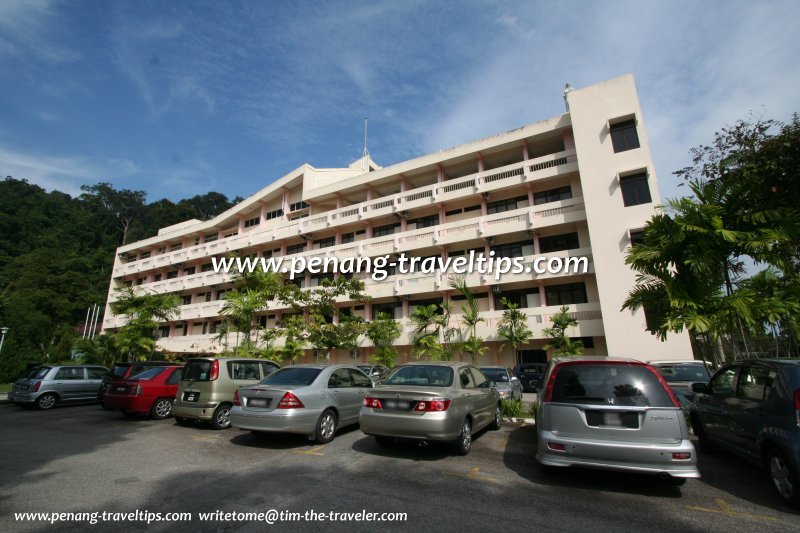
(504, 393)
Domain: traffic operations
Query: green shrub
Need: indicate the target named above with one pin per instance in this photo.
(512, 409)
(533, 409)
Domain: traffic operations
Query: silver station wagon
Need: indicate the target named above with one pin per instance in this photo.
(45, 386)
(311, 400)
(437, 401)
(612, 413)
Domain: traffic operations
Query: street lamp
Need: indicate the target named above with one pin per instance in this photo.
(3, 332)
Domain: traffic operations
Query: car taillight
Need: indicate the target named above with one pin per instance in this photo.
(374, 403)
(666, 386)
(138, 390)
(236, 400)
(214, 374)
(681, 456)
(290, 401)
(548, 391)
(797, 405)
(39, 384)
(557, 446)
(432, 406)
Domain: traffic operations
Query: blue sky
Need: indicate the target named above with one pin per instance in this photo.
(178, 98)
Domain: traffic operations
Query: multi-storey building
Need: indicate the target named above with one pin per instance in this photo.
(579, 184)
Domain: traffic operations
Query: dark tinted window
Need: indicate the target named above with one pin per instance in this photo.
(722, 384)
(359, 379)
(609, 384)
(498, 375)
(478, 378)
(552, 195)
(570, 293)
(635, 190)
(340, 378)
(292, 376)
(268, 368)
(70, 373)
(118, 371)
(37, 373)
(755, 383)
(243, 370)
(422, 375)
(150, 373)
(624, 136)
(175, 377)
(96, 373)
(556, 243)
(196, 371)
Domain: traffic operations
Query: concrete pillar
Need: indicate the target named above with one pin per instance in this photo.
(241, 225)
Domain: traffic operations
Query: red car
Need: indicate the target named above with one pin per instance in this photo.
(149, 392)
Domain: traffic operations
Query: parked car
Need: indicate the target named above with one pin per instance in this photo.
(311, 400)
(150, 392)
(612, 413)
(529, 375)
(681, 375)
(121, 371)
(752, 408)
(208, 384)
(46, 386)
(508, 385)
(431, 401)
(375, 372)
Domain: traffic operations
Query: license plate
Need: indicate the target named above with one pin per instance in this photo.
(258, 402)
(191, 396)
(121, 389)
(397, 404)
(628, 420)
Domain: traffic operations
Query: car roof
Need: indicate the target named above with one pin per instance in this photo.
(596, 359)
(493, 367)
(453, 364)
(678, 362)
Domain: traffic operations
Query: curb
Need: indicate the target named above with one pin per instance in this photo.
(520, 420)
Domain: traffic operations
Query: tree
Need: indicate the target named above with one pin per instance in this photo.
(123, 207)
(469, 341)
(101, 350)
(136, 340)
(382, 332)
(559, 341)
(433, 336)
(513, 327)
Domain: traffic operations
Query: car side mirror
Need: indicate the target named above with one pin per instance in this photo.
(700, 387)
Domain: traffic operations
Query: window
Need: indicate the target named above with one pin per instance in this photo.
(250, 222)
(163, 332)
(755, 383)
(552, 195)
(480, 380)
(175, 377)
(569, 293)
(267, 367)
(139, 281)
(144, 255)
(189, 271)
(297, 206)
(186, 299)
(244, 370)
(69, 373)
(422, 376)
(425, 222)
(348, 237)
(296, 248)
(556, 243)
(128, 283)
(635, 190)
(472, 208)
(467, 381)
(326, 243)
(359, 379)
(176, 247)
(221, 293)
(392, 309)
(211, 238)
(275, 214)
(340, 378)
(360, 232)
(157, 277)
(96, 373)
(196, 241)
(501, 206)
(172, 275)
(215, 326)
(208, 267)
(513, 249)
(637, 237)
(610, 384)
(624, 136)
(382, 231)
(722, 383)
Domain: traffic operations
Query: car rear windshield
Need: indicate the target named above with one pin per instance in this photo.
(498, 375)
(150, 373)
(118, 371)
(365, 369)
(610, 384)
(685, 373)
(292, 376)
(197, 371)
(422, 375)
(37, 373)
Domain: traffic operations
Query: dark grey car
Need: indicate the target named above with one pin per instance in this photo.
(46, 386)
(752, 408)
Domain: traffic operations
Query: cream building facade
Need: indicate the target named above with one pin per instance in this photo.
(581, 184)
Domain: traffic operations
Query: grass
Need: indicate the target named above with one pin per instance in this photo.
(5, 388)
(513, 409)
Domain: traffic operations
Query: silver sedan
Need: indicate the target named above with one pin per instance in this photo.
(311, 400)
(508, 385)
(441, 401)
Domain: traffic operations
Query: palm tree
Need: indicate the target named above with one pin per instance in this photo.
(513, 328)
(143, 311)
(383, 331)
(471, 317)
(241, 308)
(561, 343)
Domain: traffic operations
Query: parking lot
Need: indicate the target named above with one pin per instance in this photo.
(84, 458)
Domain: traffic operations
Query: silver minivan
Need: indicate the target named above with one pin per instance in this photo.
(612, 413)
(46, 386)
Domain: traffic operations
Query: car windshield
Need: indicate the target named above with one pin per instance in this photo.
(685, 373)
(609, 384)
(365, 369)
(37, 373)
(422, 375)
(292, 376)
(498, 375)
(148, 374)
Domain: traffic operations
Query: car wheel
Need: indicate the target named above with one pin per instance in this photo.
(783, 477)
(183, 421)
(705, 445)
(498, 418)
(46, 401)
(464, 441)
(161, 409)
(326, 427)
(384, 441)
(222, 417)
